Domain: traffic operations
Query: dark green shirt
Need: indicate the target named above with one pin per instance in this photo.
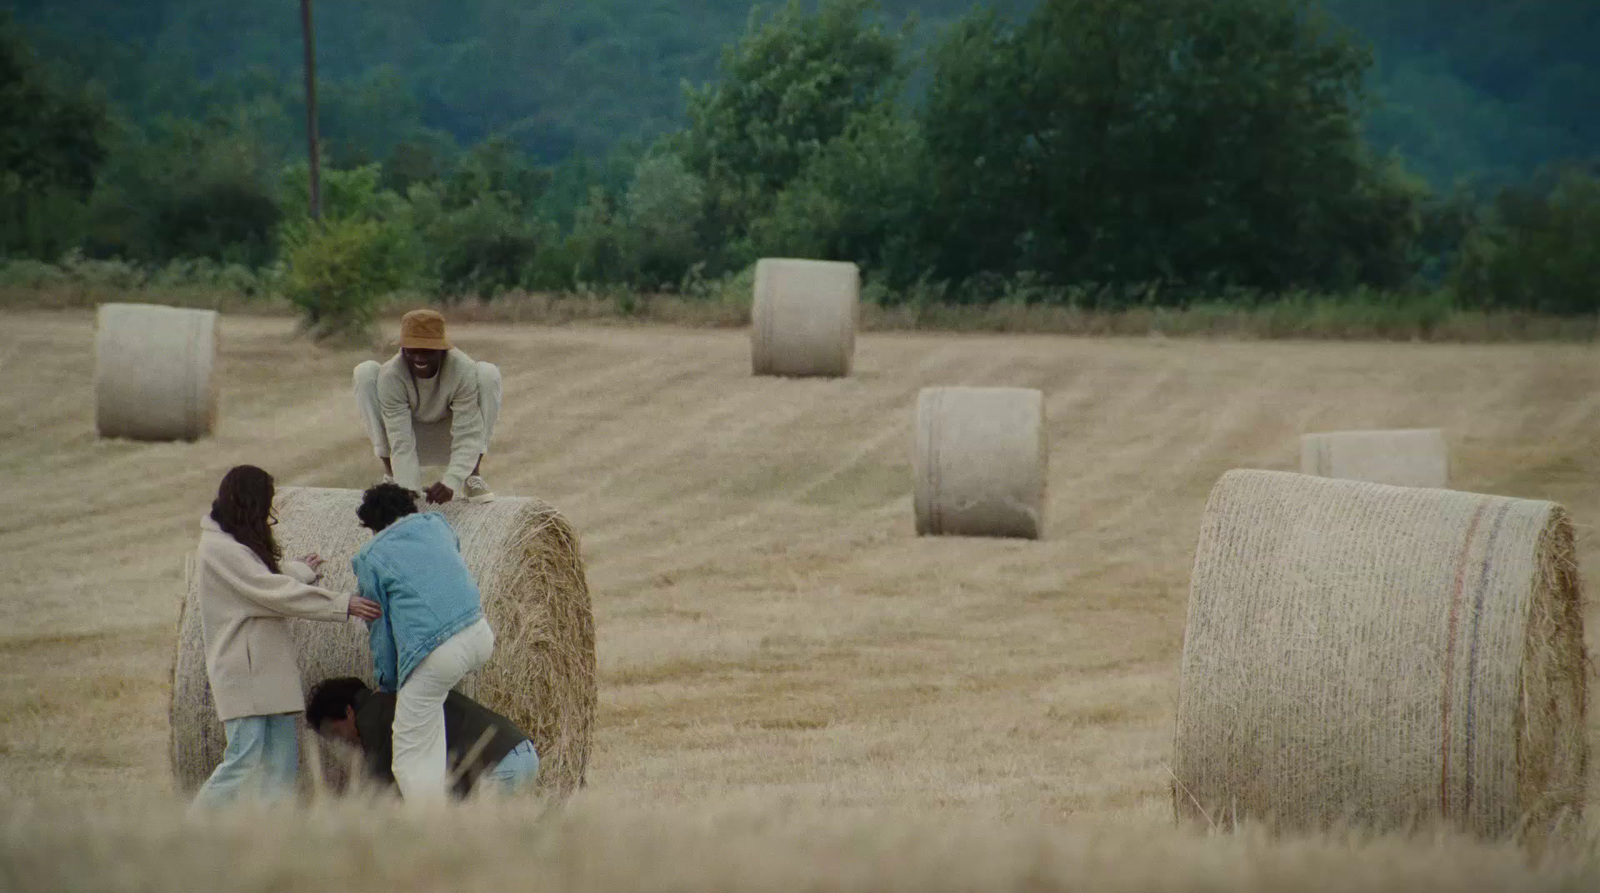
(465, 723)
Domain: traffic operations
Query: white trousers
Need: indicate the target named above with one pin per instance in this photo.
(419, 761)
(433, 438)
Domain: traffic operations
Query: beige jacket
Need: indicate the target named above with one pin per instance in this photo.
(244, 612)
(452, 394)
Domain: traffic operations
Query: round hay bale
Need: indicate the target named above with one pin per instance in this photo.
(1365, 655)
(526, 560)
(981, 462)
(1415, 457)
(803, 320)
(154, 372)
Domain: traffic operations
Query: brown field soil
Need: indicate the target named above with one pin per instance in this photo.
(772, 634)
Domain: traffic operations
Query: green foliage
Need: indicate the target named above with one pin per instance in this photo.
(1536, 250)
(789, 87)
(1129, 141)
(498, 169)
(188, 190)
(481, 249)
(339, 272)
(52, 144)
(339, 269)
(660, 222)
(861, 198)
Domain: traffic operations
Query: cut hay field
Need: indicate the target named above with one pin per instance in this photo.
(773, 636)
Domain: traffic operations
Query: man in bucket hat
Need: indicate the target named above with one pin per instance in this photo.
(430, 404)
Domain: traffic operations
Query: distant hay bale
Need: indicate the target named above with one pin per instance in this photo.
(154, 376)
(1368, 655)
(526, 561)
(981, 462)
(1407, 458)
(803, 320)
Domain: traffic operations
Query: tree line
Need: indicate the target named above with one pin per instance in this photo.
(1107, 152)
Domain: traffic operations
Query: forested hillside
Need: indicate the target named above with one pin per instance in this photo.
(1099, 152)
(1471, 86)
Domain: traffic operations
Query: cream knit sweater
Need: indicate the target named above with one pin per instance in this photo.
(245, 608)
(452, 392)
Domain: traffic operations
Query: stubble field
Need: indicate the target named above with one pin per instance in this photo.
(774, 639)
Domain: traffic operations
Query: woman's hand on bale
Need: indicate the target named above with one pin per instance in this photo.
(363, 608)
(313, 561)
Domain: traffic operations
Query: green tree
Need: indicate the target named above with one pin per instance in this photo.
(1537, 249)
(661, 216)
(863, 198)
(364, 247)
(789, 87)
(1128, 141)
(52, 145)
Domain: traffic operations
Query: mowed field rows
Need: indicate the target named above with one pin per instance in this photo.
(770, 627)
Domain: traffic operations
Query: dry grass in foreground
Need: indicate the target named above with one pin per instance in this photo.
(597, 846)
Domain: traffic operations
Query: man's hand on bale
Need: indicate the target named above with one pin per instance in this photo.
(438, 494)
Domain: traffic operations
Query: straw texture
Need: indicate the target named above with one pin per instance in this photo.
(526, 561)
(1415, 457)
(981, 462)
(1368, 655)
(153, 372)
(804, 315)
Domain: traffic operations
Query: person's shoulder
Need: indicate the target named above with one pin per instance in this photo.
(392, 372)
(217, 544)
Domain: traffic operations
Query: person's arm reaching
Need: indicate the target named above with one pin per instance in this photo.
(394, 405)
(281, 594)
(466, 427)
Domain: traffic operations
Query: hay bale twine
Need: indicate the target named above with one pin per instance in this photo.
(1368, 655)
(981, 462)
(803, 320)
(154, 373)
(1415, 457)
(526, 560)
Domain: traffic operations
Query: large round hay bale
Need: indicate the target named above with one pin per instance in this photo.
(526, 561)
(981, 462)
(1375, 656)
(1415, 457)
(153, 372)
(803, 320)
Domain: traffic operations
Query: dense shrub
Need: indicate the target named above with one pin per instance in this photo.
(1537, 251)
(339, 272)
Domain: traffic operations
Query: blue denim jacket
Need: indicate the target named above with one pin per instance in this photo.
(414, 570)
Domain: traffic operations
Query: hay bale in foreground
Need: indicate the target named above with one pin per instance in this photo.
(803, 319)
(526, 561)
(153, 372)
(1376, 655)
(981, 462)
(1415, 457)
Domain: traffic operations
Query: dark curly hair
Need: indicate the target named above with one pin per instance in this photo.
(328, 698)
(243, 509)
(385, 504)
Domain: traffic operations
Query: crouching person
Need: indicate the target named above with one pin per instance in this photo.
(432, 632)
(430, 404)
(480, 743)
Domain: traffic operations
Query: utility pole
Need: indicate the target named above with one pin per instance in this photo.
(311, 108)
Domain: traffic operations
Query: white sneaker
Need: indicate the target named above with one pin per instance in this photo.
(477, 490)
(387, 479)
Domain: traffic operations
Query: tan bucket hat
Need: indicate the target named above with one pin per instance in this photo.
(423, 330)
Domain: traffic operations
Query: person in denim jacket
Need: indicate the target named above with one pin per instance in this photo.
(432, 631)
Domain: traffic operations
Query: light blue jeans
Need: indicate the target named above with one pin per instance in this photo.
(516, 769)
(262, 758)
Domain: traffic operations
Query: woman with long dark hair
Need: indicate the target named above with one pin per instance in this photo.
(247, 593)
